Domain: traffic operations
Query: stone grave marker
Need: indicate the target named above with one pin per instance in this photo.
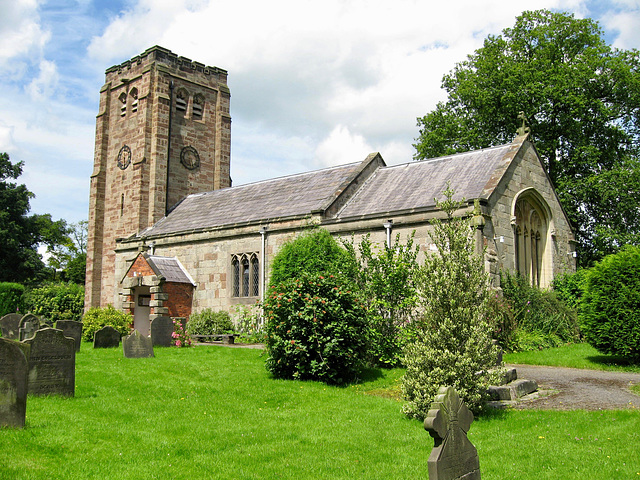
(10, 325)
(52, 363)
(137, 345)
(106, 337)
(161, 331)
(453, 456)
(28, 326)
(71, 329)
(14, 375)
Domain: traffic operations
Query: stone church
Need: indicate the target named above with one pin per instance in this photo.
(169, 235)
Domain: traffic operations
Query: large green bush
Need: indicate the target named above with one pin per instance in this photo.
(11, 298)
(56, 301)
(316, 329)
(315, 252)
(570, 286)
(209, 322)
(610, 306)
(540, 313)
(452, 345)
(96, 318)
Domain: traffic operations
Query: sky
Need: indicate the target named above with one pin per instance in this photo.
(314, 83)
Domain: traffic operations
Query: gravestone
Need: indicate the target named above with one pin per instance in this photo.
(28, 326)
(106, 337)
(137, 345)
(14, 375)
(52, 363)
(453, 456)
(10, 325)
(161, 331)
(71, 329)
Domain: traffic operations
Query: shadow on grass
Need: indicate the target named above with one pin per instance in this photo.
(371, 375)
(613, 360)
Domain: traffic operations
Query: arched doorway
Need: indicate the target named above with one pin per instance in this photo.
(532, 225)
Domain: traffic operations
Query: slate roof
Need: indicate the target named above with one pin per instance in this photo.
(415, 185)
(269, 199)
(400, 188)
(170, 268)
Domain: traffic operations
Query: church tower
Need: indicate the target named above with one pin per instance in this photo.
(163, 131)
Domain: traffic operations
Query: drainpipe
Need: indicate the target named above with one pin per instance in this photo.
(263, 233)
(166, 202)
(388, 224)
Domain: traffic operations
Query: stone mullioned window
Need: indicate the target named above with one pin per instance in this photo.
(245, 275)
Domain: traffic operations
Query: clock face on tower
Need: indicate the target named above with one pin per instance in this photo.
(189, 158)
(124, 157)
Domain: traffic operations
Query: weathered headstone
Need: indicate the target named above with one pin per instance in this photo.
(28, 326)
(161, 331)
(137, 345)
(106, 337)
(71, 329)
(52, 363)
(14, 374)
(10, 325)
(453, 456)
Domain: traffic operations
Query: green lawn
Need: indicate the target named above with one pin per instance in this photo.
(213, 412)
(579, 355)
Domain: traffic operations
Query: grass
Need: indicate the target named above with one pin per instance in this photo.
(578, 355)
(214, 412)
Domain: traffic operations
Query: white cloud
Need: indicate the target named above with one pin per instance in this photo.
(45, 84)
(20, 31)
(340, 147)
(625, 23)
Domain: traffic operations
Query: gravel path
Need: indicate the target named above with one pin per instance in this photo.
(572, 388)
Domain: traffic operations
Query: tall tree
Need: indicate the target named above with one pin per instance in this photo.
(20, 233)
(69, 257)
(582, 100)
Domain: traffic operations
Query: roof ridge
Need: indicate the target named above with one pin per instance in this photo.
(459, 154)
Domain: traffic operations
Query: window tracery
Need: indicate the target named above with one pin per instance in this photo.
(245, 273)
(530, 235)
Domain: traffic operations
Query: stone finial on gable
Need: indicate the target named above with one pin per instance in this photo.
(524, 129)
(453, 456)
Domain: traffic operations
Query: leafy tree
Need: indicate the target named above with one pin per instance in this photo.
(582, 99)
(69, 257)
(21, 233)
(452, 344)
(386, 278)
(314, 252)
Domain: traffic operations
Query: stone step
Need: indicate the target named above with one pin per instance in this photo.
(513, 390)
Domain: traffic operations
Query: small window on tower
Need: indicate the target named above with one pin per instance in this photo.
(134, 99)
(181, 102)
(198, 107)
(123, 100)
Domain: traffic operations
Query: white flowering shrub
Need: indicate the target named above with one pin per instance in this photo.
(451, 345)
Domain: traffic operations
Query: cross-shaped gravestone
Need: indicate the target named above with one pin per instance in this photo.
(453, 456)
